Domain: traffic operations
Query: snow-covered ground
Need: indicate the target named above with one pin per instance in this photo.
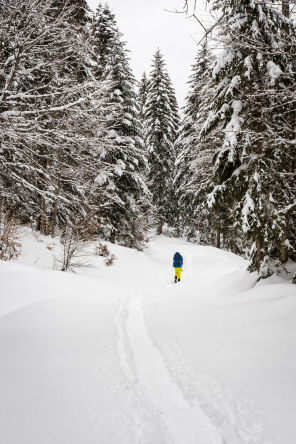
(121, 355)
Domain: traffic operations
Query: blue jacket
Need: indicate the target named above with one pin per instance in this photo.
(177, 260)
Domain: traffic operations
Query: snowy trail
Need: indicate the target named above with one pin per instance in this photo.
(180, 422)
(177, 421)
(207, 414)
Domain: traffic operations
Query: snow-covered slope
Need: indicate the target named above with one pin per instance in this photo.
(120, 354)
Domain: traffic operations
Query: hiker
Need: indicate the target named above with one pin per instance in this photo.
(177, 264)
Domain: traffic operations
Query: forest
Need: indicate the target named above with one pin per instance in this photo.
(88, 151)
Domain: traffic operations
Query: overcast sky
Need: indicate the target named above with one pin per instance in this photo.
(146, 26)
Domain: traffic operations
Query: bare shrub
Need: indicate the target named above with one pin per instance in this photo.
(102, 250)
(74, 253)
(10, 245)
(76, 241)
(110, 259)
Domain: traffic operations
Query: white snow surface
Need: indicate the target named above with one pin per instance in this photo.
(274, 71)
(121, 355)
(234, 126)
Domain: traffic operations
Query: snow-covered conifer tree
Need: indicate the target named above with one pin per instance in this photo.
(193, 164)
(142, 97)
(128, 189)
(49, 114)
(254, 80)
(161, 128)
(80, 11)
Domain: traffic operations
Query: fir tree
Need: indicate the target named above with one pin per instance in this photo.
(193, 164)
(161, 124)
(80, 11)
(128, 186)
(50, 121)
(142, 97)
(254, 81)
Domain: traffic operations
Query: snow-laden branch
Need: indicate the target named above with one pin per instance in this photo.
(52, 109)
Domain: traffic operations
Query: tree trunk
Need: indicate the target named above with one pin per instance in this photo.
(112, 237)
(54, 218)
(55, 209)
(159, 227)
(260, 251)
(284, 254)
(45, 225)
(218, 245)
(285, 8)
(40, 222)
(284, 250)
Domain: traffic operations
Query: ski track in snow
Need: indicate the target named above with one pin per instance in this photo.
(204, 413)
(236, 418)
(177, 421)
(181, 423)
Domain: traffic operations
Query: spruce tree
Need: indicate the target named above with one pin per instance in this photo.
(50, 121)
(254, 81)
(193, 164)
(80, 11)
(161, 120)
(128, 190)
(142, 97)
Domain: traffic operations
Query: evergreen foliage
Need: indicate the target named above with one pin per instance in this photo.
(129, 194)
(142, 97)
(161, 121)
(50, 115)
(193, 164)
(78, 146)
(254, 81)
(79, 10)
(71, 143)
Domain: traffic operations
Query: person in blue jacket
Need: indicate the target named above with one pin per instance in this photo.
(177, 264)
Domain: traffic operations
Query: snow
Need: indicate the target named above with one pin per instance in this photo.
(249, 67)
(234, 125)
(274, 71)
(224, 58)
(101, 178)
(234, 84)
(248, 209)
(122, 355)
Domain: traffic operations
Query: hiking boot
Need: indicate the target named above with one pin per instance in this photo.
(176, 279)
